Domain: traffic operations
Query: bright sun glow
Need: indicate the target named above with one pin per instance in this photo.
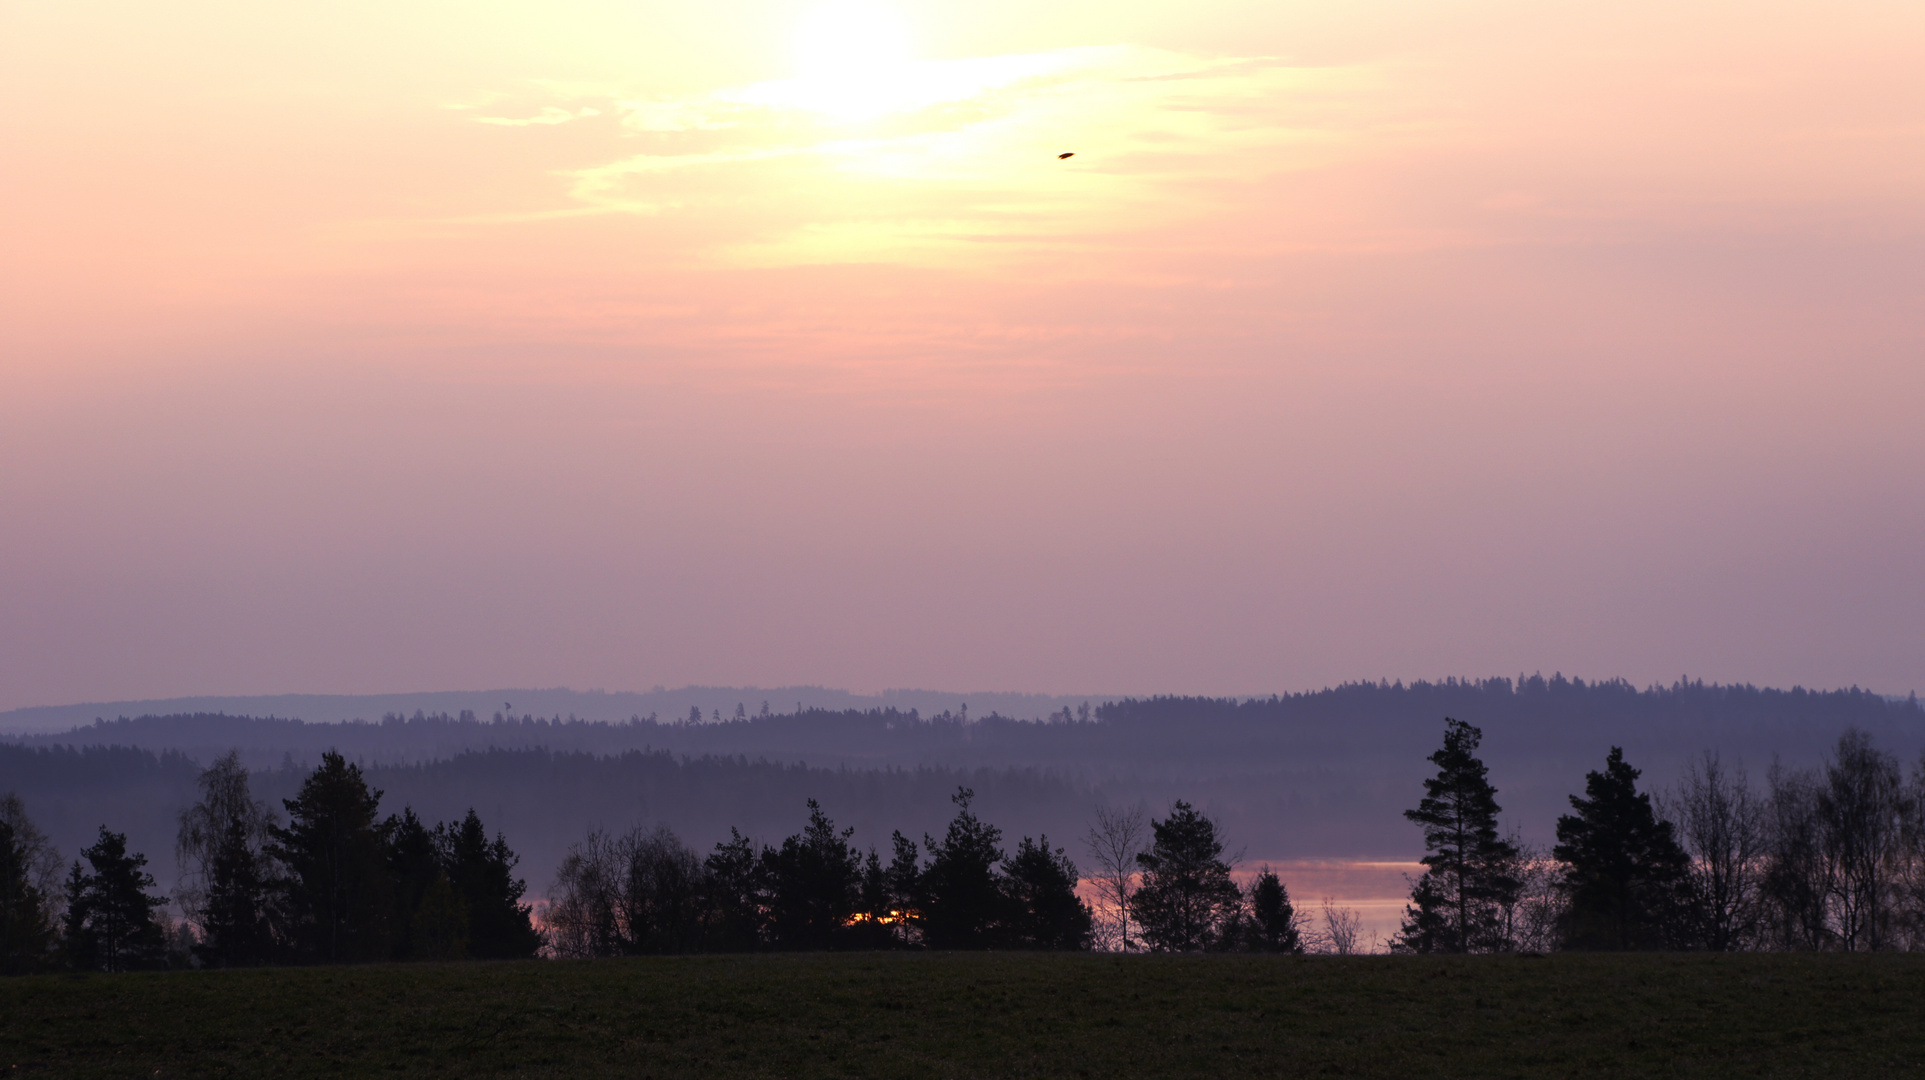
(851, 41)
(854, 61)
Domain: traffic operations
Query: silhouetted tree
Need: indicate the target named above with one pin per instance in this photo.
(1187, 893)
(224, 869)
(1457, 905)
(1799, 871)
(27, 874)
(438, 929)
(232, 915)
(737, 895)
(815, 880)
(426, 924)
(1114, 841)
(1044, 910)
(1533, 922)
(1723, 828)
(903, 879)
(962, 901)
(662, 892)
(871, 929)
(1624, 873)
(1272, 924)
(1863, 806)
(336, 897)
(110, 923)
(1338, 932)
(482, 873)
(585, 909)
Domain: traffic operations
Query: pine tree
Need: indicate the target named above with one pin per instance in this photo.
(110, 915)
(873, 929)
(963, 903)
(903, 879)
(815, 883)
(1625, 874)
(1187, 896)
(336, 896)
(1469, 878)
(737, 895)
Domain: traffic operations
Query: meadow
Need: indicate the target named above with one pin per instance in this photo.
(944, 1015)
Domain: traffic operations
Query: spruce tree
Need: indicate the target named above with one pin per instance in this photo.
(1044, 910)
(413, 869)
(232, 910)
(1272, 923)
(1469, 878)
(1625, 874)
(438, 929)
(482, 872)
(1187, 898)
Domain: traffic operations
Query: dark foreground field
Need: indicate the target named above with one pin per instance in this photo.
(989, 1015)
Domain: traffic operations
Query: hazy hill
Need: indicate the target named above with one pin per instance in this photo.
(1320, 774)
(713, 701)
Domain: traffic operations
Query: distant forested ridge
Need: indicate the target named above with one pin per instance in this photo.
(1317, 774)
(1130, 736)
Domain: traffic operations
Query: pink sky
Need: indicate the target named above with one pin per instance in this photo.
(368, 347)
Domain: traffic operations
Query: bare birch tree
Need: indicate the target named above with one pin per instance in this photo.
(227, 814)
(1337, 931)
(1723, 825)
(1863, 804)
(1116, 837)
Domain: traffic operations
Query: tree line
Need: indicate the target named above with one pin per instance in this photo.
(1824, 858)
(1830, 857)
(335, 883)
(645, 891)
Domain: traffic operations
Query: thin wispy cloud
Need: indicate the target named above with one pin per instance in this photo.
(955, 161)
(549, 115)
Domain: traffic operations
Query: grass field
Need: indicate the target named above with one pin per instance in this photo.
(920, 1016)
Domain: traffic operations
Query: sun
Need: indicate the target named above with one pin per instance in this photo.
(854, 60)
(852, 40)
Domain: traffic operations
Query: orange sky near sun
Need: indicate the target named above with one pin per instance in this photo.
(380, 347)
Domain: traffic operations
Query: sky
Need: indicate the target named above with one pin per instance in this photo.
(362, 347)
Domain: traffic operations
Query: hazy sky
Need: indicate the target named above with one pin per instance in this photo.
(373, 347)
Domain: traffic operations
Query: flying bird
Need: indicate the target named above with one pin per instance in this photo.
(1071, 154)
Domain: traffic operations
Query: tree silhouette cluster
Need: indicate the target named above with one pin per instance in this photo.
(336, 884)
(1831, 858)
(647, 892)
(1824, 858)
